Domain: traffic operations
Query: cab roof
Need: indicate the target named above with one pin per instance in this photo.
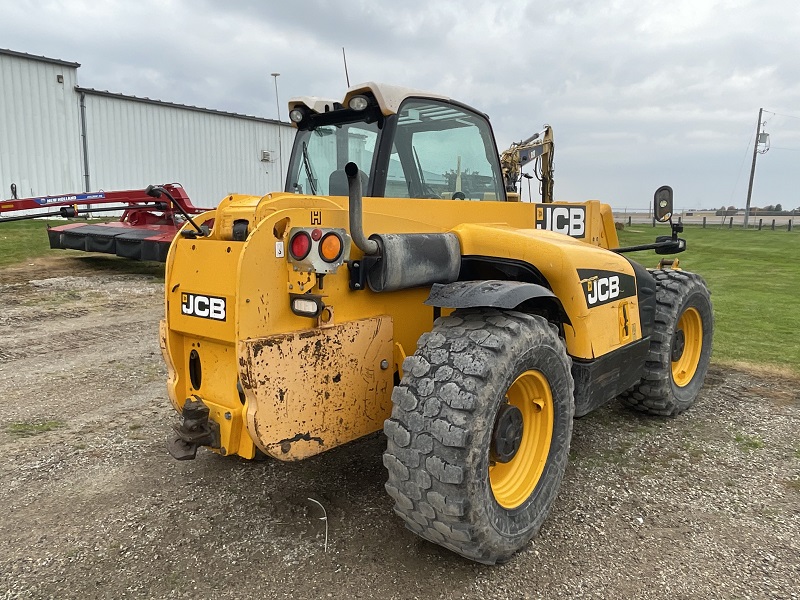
(389, 98)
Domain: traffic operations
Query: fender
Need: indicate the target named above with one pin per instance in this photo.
(493, 292)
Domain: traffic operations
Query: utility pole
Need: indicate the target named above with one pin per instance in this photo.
(280, 144)
(753, 169)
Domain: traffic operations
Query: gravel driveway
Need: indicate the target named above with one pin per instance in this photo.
(706, 505)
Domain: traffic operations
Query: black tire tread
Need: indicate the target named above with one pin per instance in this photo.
(434, 413)
(654, 393)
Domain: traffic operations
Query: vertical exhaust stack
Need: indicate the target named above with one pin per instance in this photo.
(367, 246)
(398, 261)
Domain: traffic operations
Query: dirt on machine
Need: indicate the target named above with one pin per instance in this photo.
(399, 284)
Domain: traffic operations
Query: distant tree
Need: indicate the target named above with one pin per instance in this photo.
(769, 208)
(732, 208)
(778, 208)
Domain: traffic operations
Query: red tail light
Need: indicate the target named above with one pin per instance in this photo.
(300, 245)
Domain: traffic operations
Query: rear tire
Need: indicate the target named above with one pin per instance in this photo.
(680, 346)
(450, 422)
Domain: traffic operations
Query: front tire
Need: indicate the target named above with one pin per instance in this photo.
(480, 431)
(680, 346)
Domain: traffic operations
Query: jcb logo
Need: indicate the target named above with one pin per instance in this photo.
(602, 287)
(569, 220)
(206, 307)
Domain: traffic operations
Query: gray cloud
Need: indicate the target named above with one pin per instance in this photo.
(639, 92)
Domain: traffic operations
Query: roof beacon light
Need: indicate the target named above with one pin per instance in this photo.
(358, 102)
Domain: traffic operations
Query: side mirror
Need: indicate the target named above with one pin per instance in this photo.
(662, 204)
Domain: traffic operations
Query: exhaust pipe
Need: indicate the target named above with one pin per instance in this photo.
(369, 247)
(398, 261)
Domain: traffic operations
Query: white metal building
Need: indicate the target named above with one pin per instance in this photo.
(40, 149)
(58, 138)
(132, 142)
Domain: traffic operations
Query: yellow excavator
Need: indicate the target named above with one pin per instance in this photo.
(397, 283)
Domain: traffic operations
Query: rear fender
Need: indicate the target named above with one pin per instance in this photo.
(494, 293)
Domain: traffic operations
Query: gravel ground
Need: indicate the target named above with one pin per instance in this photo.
(706, 505)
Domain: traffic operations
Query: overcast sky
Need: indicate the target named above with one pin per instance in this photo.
(640, 93)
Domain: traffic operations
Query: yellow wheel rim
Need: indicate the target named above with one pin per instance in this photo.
(513, 482)
(685, 366)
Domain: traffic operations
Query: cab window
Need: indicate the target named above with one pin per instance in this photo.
(321, 154)
(442, 151)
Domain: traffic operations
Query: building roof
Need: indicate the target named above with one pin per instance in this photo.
(55, 61)
(94, 92)
(74, 65)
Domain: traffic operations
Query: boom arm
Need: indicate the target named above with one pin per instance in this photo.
(129, 197)
(137, 206)
(538, 147)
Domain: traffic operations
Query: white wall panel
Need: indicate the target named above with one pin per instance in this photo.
(134, 142)
(39, 126)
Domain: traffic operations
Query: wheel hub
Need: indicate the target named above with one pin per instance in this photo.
(678, 345)
(507, 434)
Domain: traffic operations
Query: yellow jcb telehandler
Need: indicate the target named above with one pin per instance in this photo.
(398, 283)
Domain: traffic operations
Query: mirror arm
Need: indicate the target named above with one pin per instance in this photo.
(652, 246)
(676, 229)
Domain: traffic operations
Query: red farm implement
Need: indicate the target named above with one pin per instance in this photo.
(150, 219)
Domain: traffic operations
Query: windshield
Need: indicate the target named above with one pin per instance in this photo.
(317, 167)
(442, 151)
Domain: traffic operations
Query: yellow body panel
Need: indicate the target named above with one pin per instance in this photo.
(255, 280)
(310, 391)
(591, 332)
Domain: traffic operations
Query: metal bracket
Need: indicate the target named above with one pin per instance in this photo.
(196, 430)
(672, 263)
(358, 271)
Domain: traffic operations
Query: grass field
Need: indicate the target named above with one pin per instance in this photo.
(22, 240)
(754, 278)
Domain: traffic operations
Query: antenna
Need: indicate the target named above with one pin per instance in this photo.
(346, 76)
(280, 143)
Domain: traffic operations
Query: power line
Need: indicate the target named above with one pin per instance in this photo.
(781, 114)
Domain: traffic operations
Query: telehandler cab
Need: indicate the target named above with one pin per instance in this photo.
(398, 283)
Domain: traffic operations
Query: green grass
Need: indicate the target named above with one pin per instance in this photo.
(748, 442)
(22, 240)
(30, 429)
(754, 278)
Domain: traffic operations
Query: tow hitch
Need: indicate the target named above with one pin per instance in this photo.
(195, 430)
